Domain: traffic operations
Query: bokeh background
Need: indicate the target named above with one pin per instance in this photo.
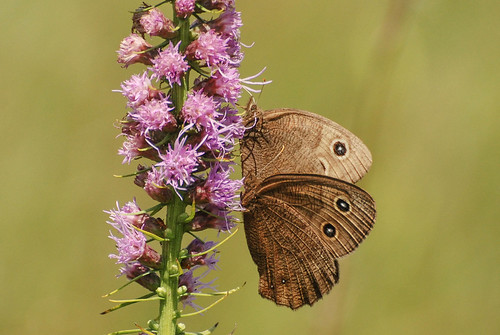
(418, 81)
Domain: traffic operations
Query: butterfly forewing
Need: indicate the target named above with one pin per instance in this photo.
(295, 141)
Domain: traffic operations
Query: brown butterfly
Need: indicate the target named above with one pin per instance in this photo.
(302, 212)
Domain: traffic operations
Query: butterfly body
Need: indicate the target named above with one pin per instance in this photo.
(302, 210)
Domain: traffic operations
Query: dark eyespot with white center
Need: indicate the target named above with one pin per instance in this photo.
(343, 205)
(329, 230)
(339, 148)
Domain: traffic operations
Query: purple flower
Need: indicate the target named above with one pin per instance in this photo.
(130, 207)
(189, 132)
(132, 50)
(199, 109)
(210, 47)
(198, 246)
(184, 8)
(228, 24)
(155, 23)
(214, 140)
(170, 64)
(132, 245)
(232, 123)
(154, 115)
(219, 189)
(131, 148)
(129, 212)
(193, 285)
(136, 146)
(234, 51)
(178, 164)
(224, 83)
(220, 135)
(138, 89)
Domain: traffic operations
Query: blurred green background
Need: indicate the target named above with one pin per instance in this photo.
(418, 81)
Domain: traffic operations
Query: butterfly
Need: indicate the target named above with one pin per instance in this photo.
(302, 210)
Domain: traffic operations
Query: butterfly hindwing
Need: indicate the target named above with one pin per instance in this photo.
(285, 229)
(292, 270)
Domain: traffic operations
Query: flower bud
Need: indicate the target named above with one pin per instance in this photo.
(154, 23)
(159, 194)
(133, 270)
(140, 179)
(161, 291)
(184, 8)
(136, 19)
(181, 327)
(210, 217)
(154, 225)
(150, 258)
(195, 247)
(182, 289)
(199, 193)
(153, 324)
(133, 50)
(217, 4)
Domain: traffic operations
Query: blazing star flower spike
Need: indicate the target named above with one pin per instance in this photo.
(182, 118)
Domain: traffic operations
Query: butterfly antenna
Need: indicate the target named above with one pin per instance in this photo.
(262, 89)
(252, 101)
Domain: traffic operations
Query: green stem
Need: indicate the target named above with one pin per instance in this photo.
(179, 93)
(170, 272)
(175, 226)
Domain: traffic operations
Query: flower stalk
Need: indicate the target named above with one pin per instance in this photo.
(182, 119)
(170, 272)
(179, 92)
